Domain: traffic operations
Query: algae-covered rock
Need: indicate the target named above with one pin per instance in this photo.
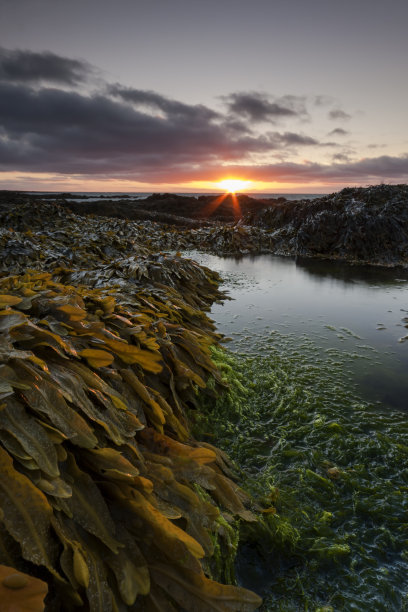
(359, 225)
(104, 344)
(365, 225)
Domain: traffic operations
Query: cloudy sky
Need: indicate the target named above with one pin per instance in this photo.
(141, 95)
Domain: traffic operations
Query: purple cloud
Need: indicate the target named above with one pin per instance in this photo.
(145, 136)
(19, 66)
(259, 107)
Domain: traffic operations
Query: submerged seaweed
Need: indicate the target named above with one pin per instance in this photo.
(331, 473)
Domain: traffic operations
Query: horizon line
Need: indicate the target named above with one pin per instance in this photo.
(204, 192)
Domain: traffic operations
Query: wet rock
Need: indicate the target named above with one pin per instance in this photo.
(358, 225)
(365, 225)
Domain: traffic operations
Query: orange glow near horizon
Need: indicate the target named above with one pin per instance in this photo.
(42, 181)
(233, 185)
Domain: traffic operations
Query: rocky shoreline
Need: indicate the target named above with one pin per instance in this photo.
(99, 323)
(361, 225)
(105, 493)
(356, 225)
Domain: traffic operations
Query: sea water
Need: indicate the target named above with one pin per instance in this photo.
(359, 311)
(94, 196)
(316, 422)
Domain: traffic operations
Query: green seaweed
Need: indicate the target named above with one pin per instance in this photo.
(224, 538)
(331, 466)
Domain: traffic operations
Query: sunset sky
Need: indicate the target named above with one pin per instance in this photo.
(158, 95)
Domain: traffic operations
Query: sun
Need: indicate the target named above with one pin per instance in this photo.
(233, 185)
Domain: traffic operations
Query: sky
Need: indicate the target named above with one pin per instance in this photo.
(295, 96)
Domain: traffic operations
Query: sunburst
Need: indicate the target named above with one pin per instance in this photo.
(233, 185)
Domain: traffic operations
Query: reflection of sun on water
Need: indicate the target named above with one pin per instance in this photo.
(233, 185)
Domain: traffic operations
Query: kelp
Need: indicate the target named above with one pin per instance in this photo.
(20, 592)
(99, 469)
(366, 225)
(44, 235)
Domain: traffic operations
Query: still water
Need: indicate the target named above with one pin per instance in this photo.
(354, 311)
(316, 422)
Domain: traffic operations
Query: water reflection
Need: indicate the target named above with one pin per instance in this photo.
(367, 275)
(353, 313)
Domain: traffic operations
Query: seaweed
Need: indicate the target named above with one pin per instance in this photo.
(101, 361)
(329, 472)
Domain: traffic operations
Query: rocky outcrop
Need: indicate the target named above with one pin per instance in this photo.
(172, 209)
(359, 225)
(367, 225)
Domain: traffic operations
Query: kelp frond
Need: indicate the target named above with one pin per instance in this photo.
(98, 468)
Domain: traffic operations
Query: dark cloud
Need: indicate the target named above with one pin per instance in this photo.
(259, 107)
(295, 103)
(143, 136)
(30, 67)
(66, 131)
(338, 132)
(122, 129)
(338, 114)
(172, 108)
(292, 139)
(234, 125)
(362, 171)
(341, 157)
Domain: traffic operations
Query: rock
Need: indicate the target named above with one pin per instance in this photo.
(364, 225)
(357, 225)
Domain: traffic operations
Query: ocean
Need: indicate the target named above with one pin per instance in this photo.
(92, 196)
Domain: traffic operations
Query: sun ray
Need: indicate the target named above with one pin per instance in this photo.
(214, 204)
(231, 186)
(236, 206)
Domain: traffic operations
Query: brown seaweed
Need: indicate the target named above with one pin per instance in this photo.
(100, 476)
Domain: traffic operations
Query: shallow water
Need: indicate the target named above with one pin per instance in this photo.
(345, 309)
(315, 419)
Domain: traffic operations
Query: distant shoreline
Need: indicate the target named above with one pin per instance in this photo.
(144, 194)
